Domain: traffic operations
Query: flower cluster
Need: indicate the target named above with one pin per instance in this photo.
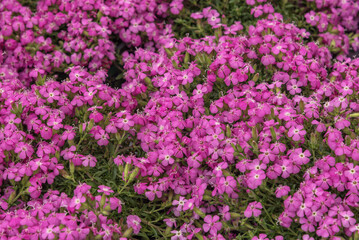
(218, 130)
(334, 19)
(76, 33)
(223, 137)
(58, 216)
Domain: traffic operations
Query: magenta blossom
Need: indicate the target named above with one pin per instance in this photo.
(253, 209)
(134, 222)
(296, 133)
(211, 224)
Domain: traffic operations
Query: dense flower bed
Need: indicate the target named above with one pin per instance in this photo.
(247, 133)
(334, 20)
(61, 34)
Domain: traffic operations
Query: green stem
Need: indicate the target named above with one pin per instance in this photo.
(123, 188)
(270, 218)
(82, 138)
(17, 196)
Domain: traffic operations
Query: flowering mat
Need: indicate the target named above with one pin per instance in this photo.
(179, 119)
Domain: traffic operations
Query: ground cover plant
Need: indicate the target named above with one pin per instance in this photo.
(244, 128)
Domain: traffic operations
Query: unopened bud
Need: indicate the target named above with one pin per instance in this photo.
(127, 169)
(127, 233)
(199, 212)
(228, 131)
(235, 215)
(256, 77)
(133, 174)
(186, 57)
(353, 115)
(72, 168)
(274, 135)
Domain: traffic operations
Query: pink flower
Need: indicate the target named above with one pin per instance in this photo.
(69, 134)
(170, 222)
(213, 17)
(294, 87)
(268, 60)
(260, 237)
(176, 7)
(116, 203)
(179, 203)
(287, 168)
(46, 132)
(24, 150)
(89, 161)
(296, 133)
(341, 123)
(96, 116)
(282, 191)
(197, 15)
(347, 219)
(166, 157)
(178, 235)
(257, 11)
(77, 201)
(255, 178)
(153, 192)
(35, 191)
(104, 189)
(300, 157)
(227, 185)
(102, 137)
(312, 18)
(134, 222)
(55, 123)
(51, 95)
(125, 123)
(253, 208)
(307, 237)
(211, 224)
(49, 232)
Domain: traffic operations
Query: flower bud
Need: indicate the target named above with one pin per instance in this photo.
(254, 133)
(168, 230)
(12, 196)
(186, 58)
(353, 115)
(356, 235)
(127, 233)
(274, 135)
(105, 212)
(235, 215)
(133, 174)
(228, 131)
(256, 77)
(218, 33)
(80, 127)
(175, 65)
(71, 142)
(207, 198)
(169, 52)
(301, 106)
(90, 125)
(107, 208)
(72, 168)
(120, 168)
(199, 212)
(148, 82)
(313, 140)
(125, 173)
(103, 201)
(199, 236)
(99, 15)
